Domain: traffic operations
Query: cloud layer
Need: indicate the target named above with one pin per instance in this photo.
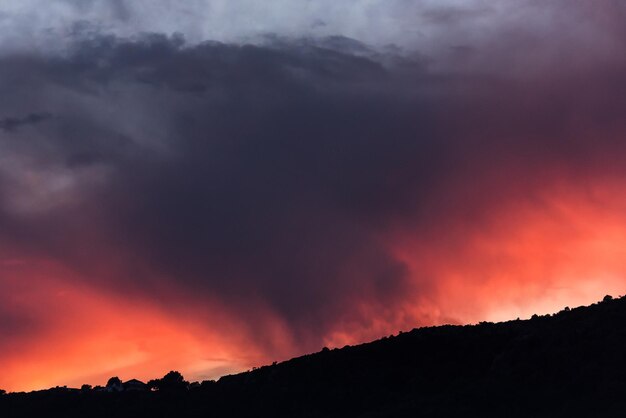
(378, 22)
(260, 200)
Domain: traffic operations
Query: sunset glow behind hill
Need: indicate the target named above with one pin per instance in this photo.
(531, 258)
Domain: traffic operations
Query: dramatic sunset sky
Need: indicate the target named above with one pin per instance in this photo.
(212, 185)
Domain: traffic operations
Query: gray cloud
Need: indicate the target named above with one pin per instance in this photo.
(425, 25)
(10, 124)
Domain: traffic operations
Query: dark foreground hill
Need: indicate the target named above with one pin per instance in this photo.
(569, 364)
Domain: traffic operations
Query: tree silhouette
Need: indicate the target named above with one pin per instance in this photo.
(115, 384)
(153, 384)
(171, 382)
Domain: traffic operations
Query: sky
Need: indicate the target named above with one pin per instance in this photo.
(209, 186)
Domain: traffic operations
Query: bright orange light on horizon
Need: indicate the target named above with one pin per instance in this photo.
(523, 257)
(87, 337)
(526, 256)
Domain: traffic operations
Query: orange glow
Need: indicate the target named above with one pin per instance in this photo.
(85, 337)
(564, 246)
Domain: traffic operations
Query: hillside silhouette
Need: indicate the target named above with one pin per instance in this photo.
(569, 364)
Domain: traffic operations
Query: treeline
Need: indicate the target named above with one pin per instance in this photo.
(564, 365)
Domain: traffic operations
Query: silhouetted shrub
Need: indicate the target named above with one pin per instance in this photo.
(171, 382)
(206, 384)
(153, 384)
(114, 384)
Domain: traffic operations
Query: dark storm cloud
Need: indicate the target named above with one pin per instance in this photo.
(266, 175)
(9, 124)
(267, 167)
(451, 15)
